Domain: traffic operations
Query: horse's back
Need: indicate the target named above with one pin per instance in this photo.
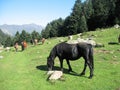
(65, 46)
(85, 49)
(69, 47)
(84, 46)
(67, 51)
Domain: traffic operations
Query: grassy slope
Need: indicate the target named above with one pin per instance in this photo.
(27, 70)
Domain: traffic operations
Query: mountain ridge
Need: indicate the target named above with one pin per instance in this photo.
(13, 28)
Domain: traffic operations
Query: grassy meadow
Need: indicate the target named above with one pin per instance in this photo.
(27, 70)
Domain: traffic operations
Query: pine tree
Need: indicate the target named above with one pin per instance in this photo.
(3, 37)
(45, 33)
(111, 14)
(88, 9)
(8, 42)
(60, 22)
(79, 16)
(103, 13)
(23, 36)
(35, 35)
(88, 12)
(28, 37)
(17, 37)
(53, 29)
(99, 13)
(76, 22)
(70, 26)
(83, 25)
(117, 12)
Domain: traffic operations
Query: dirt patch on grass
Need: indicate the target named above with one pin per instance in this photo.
(118, 88)
(104, 51)
(114, 62)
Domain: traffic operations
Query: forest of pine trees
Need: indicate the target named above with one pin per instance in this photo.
(86, 16)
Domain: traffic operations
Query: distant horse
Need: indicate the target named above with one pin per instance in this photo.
(16, 46)
(35, 41)
(43, 40)
(72, 52)
(23, 45)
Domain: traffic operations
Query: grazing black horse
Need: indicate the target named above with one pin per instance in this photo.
(72, 52)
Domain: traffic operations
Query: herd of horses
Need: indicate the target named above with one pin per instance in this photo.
(24, 44)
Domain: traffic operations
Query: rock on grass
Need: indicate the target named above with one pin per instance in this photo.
(54, 75)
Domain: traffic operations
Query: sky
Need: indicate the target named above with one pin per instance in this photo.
(39, 12)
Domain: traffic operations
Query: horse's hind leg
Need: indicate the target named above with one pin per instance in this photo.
(85, 65)
(70, 69)
(90, 67)
(89, 63)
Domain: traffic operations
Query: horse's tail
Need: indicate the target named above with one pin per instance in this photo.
(91, 55)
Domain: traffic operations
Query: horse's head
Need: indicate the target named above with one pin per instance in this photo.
(50, 63)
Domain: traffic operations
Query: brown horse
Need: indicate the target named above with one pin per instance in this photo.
(24, 45)
(43, 40)
(35, 41)
(16, 46)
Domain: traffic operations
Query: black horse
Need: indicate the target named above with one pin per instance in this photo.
(72, 52)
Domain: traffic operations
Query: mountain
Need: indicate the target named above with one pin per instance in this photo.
(12, 29)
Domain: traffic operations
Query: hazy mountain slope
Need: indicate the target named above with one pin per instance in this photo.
(12, 29)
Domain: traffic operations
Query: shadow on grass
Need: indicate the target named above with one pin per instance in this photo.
(113, 43)
(44, 68)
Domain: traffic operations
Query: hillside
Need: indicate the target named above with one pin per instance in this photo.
(27, 69)
(12, 29)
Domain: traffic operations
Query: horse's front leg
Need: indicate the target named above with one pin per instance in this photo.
(61, 64)
(70, 69)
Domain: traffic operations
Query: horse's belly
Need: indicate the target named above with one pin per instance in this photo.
(72, 58)
(72, 54)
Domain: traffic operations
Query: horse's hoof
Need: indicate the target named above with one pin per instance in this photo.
(82, 74)
(90, 77)
(70, 70)
(62, 70)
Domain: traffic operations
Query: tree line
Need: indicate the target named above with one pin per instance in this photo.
(3, 37)
(8, 41)
(86, 16)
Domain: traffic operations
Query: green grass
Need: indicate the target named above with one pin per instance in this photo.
(27, 70)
